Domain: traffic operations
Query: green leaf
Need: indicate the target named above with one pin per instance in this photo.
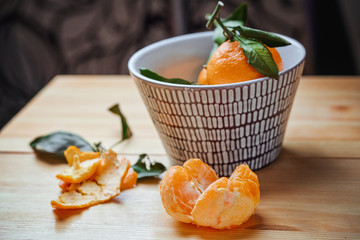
(269, 39)
(56, 143)
(126, 132)
(146, 168)
(239, 14)
(150, 74)
(237, 18)
(219, 36)
(253, 41)
(259, 57)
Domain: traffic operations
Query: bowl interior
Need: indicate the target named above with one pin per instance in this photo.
(183, 56)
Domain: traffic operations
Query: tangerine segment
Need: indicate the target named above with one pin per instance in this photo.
(178, 194)
(200, 173)
(182, 186)
(247, 180)
(228, 202)
(221, 208)
(72, 151)
(105, 185)
(228, 64)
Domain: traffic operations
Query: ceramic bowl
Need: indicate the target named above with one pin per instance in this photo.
(224, 125)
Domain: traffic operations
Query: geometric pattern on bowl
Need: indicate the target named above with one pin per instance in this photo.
(224, 126)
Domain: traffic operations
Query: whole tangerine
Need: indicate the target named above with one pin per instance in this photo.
(228, 64)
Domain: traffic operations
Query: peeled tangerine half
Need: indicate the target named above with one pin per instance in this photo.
(194, 194)
(103, 185)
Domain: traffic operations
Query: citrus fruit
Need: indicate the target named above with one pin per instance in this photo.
(228, 64)
(194, 194)
(230, 201)
(202, 78)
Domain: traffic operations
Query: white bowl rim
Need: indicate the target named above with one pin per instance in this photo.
(141, 52)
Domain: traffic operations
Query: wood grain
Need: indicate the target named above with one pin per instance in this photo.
(322, 112)
(310, 192)
(300, 198)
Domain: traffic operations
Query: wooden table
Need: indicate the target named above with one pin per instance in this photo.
(312, 191)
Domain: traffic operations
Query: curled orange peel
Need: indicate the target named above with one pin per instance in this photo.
(73, 151)
(100, 187)
(79, 172)
(129, 180)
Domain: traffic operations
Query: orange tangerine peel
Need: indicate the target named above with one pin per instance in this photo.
(66, 186)
(104, 185)
(129, 180)
(79, 172)
(213, 202)
(73, 151)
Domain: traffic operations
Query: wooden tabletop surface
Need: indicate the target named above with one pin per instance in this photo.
(311, 191)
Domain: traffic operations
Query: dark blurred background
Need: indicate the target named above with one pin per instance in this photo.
(42, 38)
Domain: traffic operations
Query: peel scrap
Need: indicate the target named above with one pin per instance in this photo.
(73, 151)
(100, 187)
(130, 180)
(79, 172)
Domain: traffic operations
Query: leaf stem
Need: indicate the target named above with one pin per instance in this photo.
(226, 30)
(215, 16)
(117, 143)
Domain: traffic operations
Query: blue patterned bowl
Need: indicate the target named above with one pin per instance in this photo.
(224, 125)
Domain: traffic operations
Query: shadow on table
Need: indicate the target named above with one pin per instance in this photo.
(149, 180)
(292, 174)
(242, 232)
(66, 216)
(246, 230)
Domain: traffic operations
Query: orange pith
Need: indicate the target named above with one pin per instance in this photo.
(228, 64)
(194, 194)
